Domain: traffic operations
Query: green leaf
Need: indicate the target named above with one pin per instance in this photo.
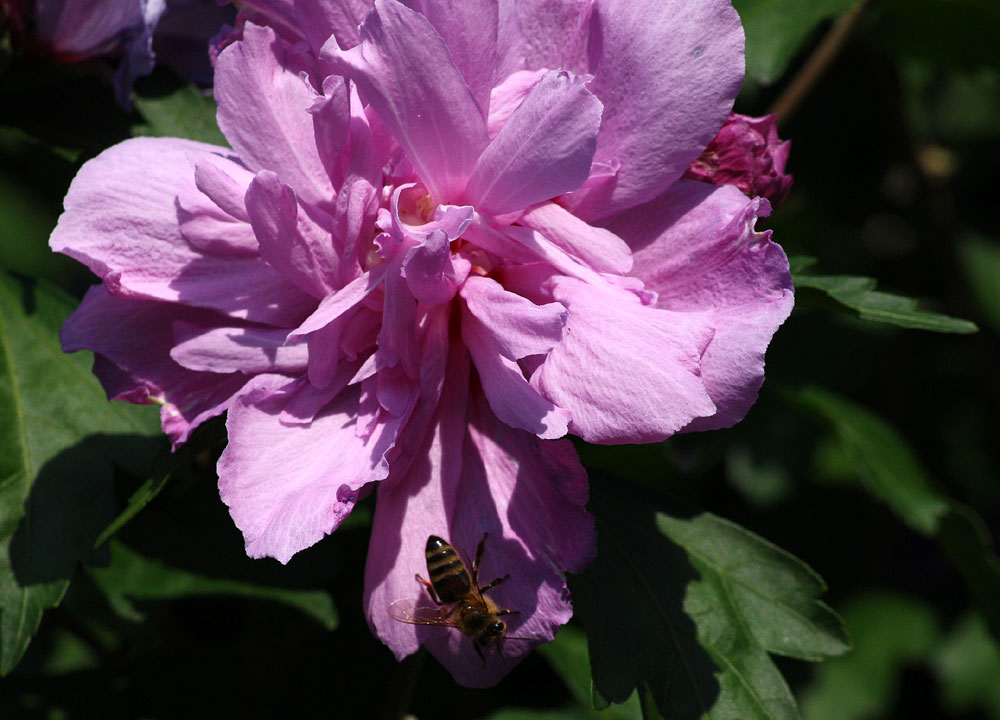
(858, 295)
(567, 655)
(881, 457)
(685, 607)
(967, 666)
(130, 576)
(980, 258)
(55, 469)
(889, 632)
(183, 112)
(891, 471)
(777, 29)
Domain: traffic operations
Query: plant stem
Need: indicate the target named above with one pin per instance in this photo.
(807, 76)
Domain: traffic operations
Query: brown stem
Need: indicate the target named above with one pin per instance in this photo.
(786, 104)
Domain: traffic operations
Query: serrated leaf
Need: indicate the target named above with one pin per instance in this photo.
(774, 592)
(890, 631)
(670, 611)
(858, 295)
(777, 29)
(55, 471)
(131, 576)
(881, 457)
(183, 112)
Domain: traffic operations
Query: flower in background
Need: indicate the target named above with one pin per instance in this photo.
(128, 30)
(748, 154)
(443, 240)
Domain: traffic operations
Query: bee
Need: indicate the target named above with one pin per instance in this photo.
(461, 602)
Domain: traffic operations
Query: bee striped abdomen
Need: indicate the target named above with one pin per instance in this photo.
(447, 572)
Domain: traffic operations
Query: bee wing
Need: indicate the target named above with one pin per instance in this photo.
(408, 611)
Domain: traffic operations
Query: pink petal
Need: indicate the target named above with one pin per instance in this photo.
(667, 73)
(431, 273)
(405, 73)
(263, 112)
(290, 241)
(545, 148)
(121, 221)
(236, 349)
(133, 339)
(507, 97)
(518, 326)
(469, 30)
(475, 475)
(625, 372)
(697, 248)
(513, 400)
(549, 34)
(289, 485)
(340, 17)
(599, 248)
(348, 297)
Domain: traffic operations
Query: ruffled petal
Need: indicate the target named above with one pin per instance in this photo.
(405, 73)
(263, 108)
(544, 149)
(236, 349)
(626, 372)
(519, 326)
(132, 340)
(545, 34)
(469, 30)
(474, 476)
(289, 485)
(289, 240)
(599, 248)
(121, 220)
(697, 248)
(667, 73)
(513, 400)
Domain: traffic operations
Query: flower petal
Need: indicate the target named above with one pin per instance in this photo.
(626, 372)
(667, 73)
(405, 73)
(236, 349)
(518, 326)
(545, 148)
(289, 485)
(121, 221)
(289, 240)
(132, 340)
(469, 29)
(696, 247)
(475, 475)
(513, 400)
(599, 248)
(263, 108)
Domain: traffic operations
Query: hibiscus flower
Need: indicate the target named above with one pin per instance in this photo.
(442, 239)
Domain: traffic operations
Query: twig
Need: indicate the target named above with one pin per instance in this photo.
(786, 104)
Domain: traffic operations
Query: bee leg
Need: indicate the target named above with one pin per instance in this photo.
(479, 652)
(508, 612)
(493, 583)
(479, 556)
(430, 589)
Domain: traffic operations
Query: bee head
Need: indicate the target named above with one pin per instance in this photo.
(493, 633)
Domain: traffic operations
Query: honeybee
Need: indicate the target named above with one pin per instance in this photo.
(461, 602)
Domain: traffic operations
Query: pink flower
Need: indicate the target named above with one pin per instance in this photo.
(747, 153)
(441, 241)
